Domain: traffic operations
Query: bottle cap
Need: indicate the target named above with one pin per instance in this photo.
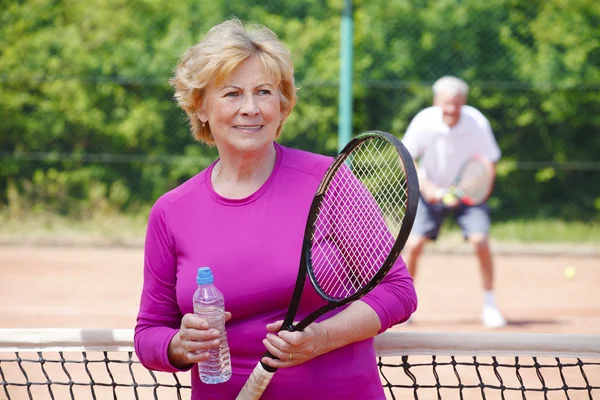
(205, 275)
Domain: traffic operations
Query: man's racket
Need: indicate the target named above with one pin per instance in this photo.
(357, 225)
(474, 183)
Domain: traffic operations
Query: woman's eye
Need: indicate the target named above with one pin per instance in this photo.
(231, 94)
(264, 92)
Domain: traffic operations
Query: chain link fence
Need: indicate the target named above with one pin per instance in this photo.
(86, 112)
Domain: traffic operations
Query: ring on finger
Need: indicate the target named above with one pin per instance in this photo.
(290, 358)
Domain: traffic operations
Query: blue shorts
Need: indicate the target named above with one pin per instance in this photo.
(470, 219)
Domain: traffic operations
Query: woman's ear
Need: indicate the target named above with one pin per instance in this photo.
(201, 114)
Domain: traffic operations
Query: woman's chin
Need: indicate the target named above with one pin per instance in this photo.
(254, 143)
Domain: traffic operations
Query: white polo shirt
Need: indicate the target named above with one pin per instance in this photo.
(441, 150)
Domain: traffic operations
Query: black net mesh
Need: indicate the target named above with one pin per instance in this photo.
(440, 377)
(119, 375)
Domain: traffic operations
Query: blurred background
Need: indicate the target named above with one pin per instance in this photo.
(90, 135)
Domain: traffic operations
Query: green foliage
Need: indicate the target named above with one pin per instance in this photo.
(548, 230)
(90, 77)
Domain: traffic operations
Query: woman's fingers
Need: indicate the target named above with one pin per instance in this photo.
(283, 359)
(196, 322)
(287, 354)
(293, 348)
(194, 338)
(275, 326)
(195, 334)
(191, 321)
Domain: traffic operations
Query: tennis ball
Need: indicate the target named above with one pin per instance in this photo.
(449, 200)
(569, 272)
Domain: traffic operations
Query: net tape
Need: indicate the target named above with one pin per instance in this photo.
(101, 364)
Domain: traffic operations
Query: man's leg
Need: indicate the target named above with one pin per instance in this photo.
(484, 255)
(475, 224)
(414, 247)
(426, 227)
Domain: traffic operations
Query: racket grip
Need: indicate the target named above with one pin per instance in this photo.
(256, 383)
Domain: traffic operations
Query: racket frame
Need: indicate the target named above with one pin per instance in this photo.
(460, 193)
(400, 240)
(305, 267)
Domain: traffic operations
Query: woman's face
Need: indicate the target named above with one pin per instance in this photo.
(244, 110)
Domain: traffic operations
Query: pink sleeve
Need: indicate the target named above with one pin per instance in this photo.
(159, 316)
(395, 298)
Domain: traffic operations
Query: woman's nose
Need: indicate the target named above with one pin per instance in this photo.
(249, 106)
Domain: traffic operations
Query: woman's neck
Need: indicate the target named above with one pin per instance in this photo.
(239, 177)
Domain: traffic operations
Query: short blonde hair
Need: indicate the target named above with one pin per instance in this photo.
(223, 49)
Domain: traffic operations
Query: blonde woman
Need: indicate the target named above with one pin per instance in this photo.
(244, 217)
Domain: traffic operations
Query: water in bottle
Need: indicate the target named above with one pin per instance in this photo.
(210, 305)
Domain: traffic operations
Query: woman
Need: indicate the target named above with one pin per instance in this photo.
(244, 216)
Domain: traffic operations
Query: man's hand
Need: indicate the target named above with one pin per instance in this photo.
(431, 193)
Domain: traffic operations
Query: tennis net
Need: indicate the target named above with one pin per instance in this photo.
(101, 364)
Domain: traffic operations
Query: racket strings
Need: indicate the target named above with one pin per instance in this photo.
(359, 219)
(474, 180)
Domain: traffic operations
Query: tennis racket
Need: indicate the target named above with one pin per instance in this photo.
(358, 223)
(474, 183)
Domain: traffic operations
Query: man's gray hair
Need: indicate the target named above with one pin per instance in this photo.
(450, 85)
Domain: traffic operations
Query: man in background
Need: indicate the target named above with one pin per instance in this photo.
(440, 139)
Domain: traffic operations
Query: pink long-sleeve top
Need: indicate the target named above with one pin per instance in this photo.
(253, 246)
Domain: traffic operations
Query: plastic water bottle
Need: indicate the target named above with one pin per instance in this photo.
(210, 305)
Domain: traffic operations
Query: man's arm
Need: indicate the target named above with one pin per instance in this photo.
(431, 193)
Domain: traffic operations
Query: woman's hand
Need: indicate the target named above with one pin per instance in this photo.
(293, 348)
(189, 345)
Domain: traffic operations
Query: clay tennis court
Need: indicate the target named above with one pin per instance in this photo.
(99, 287)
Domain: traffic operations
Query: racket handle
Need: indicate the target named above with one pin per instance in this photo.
(256, 383)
